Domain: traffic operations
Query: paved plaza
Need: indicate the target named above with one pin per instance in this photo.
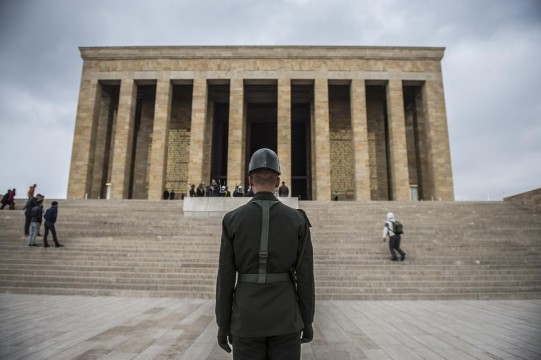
(103, 327)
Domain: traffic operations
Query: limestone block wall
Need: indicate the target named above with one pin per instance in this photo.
(341, 164)
(377, 151)
(177, 162)
(179, 140)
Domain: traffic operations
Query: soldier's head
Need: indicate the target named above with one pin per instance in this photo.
(264, 170)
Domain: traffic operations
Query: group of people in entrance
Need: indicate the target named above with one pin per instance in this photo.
(214, 189)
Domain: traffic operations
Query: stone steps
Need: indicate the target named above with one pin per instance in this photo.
(148, 248)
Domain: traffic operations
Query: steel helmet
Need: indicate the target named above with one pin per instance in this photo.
(264, 159)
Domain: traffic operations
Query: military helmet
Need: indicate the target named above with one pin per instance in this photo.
(264, 159)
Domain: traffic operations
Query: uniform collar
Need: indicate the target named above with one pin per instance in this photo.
(264, 196)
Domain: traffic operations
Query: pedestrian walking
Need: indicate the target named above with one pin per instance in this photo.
(50, 220)
(5, 199)
(393, 230)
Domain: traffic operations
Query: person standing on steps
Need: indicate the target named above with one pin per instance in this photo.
(268, 245)
(30, 204)
(50, 220)
(35, 222)
(283, 190)
(5, 199)
(393, 230)
(31, 191)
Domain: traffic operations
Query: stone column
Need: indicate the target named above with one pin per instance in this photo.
(84, 140)
(197, 132)
(284, 130)
(398, 149)
(102, 130)
(120, 173)
(439, 163)
(236, 139)
(359, 125)
(322, 155)
(160, 137)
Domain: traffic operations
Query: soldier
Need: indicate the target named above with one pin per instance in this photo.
(268, 244)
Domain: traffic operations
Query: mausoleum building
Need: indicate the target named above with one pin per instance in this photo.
(363, 123)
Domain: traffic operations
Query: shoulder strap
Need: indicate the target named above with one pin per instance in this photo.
(390, 226)
(264, 244)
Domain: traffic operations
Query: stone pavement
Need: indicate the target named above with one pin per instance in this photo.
(78, 327)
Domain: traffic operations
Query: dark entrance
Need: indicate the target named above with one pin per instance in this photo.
(261, 118)
(301, 116)
(218, 107)
(415, 138)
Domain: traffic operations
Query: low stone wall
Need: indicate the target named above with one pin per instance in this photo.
(530, 199)
(218, 206)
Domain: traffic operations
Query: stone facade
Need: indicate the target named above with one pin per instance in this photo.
(364, 123)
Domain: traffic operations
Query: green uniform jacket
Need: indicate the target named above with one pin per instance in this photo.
(253, 310)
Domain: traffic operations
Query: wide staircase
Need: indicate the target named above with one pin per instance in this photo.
(455, 250)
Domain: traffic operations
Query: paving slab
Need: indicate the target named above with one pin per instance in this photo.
(107, 327)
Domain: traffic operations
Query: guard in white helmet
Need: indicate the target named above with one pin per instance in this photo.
(265, 298)
(393, 230)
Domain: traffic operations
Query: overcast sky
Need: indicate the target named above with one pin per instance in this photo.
(491, 70)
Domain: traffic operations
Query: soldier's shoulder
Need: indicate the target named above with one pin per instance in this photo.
(241, 210)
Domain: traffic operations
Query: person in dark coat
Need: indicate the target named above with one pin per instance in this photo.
(50, 220)
(283, 190)
(200, 192)
(238, 192)
(11, 198)
(5, 200)
(265, 316)
(193, 193)
(36, 215)
(30, 204)
(166, 194)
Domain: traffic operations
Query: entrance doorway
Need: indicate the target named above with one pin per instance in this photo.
(302, 95)
(261, 118)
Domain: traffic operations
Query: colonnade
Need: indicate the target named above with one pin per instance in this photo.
(89, 174)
